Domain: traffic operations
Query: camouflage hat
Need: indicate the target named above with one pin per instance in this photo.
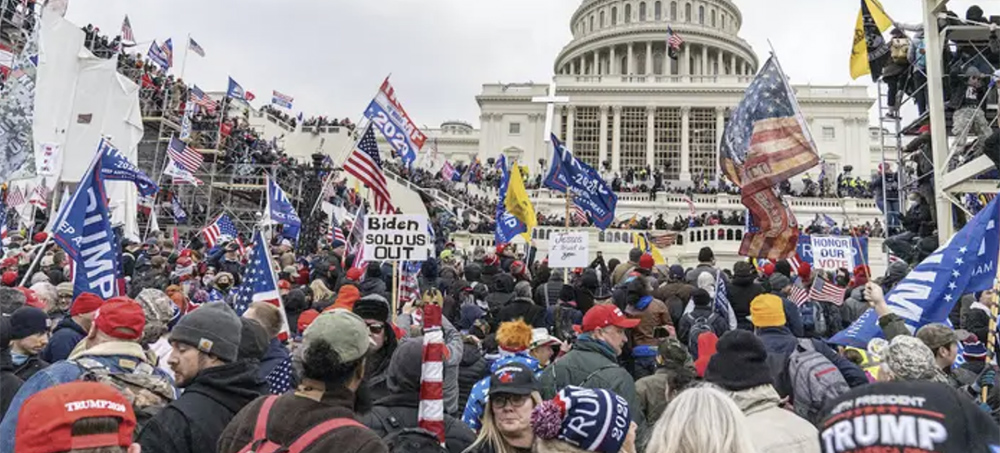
(936, 335)
(674, 355)
(909, 359)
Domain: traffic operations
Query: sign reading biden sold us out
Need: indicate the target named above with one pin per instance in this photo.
(396, 238)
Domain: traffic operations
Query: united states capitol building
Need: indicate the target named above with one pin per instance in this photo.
(631, 106)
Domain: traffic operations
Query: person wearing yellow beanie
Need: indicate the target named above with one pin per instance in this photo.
(767, 310)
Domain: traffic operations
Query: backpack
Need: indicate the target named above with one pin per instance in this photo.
(261, 444)
(815, 380)
(899, 48)
(699, 326)
(562, 323)
(413, 440)
(813, 320)
(147, 391)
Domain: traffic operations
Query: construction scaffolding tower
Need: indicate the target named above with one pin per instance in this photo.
(955, 172)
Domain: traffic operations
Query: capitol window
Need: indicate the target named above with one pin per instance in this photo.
(591, 22)
(658, 11)
(673, 10)
(614, 15)
(514, 128)
(701, 15)
(829, 133)
(628, 14)
(687, 12)
(713, 18)
(602, 19)
(642, 12)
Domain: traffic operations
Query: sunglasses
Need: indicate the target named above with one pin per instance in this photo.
(376, 328)
(502, 401)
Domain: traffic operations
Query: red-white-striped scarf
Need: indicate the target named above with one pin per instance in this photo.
(431, 412)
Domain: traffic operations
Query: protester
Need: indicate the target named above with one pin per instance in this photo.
(29, 334)
(507, 418)
(706, 264)
(513, 340)
(333, 366)
(275, 366)
(674, 372)
(9, 382)
(653, 316)
(216, 385)
(76, 417)
(374, 309)
(543, 346)
(557, 428)
(743, 288)
(701, 420)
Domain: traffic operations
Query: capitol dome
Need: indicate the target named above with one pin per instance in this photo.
(629, 37)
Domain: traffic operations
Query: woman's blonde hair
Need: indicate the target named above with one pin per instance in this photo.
(701, 420)
(320, 291)
(490, 434)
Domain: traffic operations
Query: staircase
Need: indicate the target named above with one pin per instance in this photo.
(437, 194)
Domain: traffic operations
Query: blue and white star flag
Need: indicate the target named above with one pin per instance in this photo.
(967, 263)
(259, 284)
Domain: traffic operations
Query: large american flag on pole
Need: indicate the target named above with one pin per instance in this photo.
(187, 157)
(357, 238)
(15, 197)
(199, 98)
(259, 284)
(365, 164)
(221, 230)
(127, 35)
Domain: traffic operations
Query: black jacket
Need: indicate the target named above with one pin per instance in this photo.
(525, 309)
(471, 370)
(66, 336)
(742, 290)
(195, 421)
(31, 366)
(373, 286)
(9, 382)
(399, 411)
(719, 325)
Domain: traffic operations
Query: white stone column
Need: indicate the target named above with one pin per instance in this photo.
(485, 147)
(597, 64)
(602, 146)
(666, 61)
(747, 70)
(649, 58)
(498, 132)
(685, 174)
(686, 66)
(570, 119)
(732, 64)
(616, 139)
(630, 62)
(704, 60)
(573, 65)
(720, 125)
(612, 62)
(721, 63)
(650, 135)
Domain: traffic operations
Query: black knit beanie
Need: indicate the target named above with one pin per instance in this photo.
(739, 363)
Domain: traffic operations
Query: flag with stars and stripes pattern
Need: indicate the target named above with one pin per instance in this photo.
(259, 284)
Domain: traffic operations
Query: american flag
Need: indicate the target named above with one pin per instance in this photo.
(199, 98)
(579, 215)
(691, 209)
(824, 291)
(409, 287)
(357, 239)
(179, 175)
(221, 230)
(195, 47)
(673, 39)
(280, 380)
(188, 158)
(127, 35)
(365, 164)
(168, 52)
(259, 284)
(40, 196)
(665, 240)
(799, 295)
(3, 223)
(795, 262)
(15, 197)
(448, 171)
(335, 233)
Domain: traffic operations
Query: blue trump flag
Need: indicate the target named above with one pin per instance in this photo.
(394, 129)
(585, 185)
(966, 263)
(115, 167)
(83, 229)
(282, 211)
(508, 226)
(236, 91)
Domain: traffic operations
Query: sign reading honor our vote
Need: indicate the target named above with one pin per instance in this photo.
(831, 253)
(396, 238)
(569, 249)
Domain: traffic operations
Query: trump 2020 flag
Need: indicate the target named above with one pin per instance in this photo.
(281, 210)
(259, 284)
(508, 226)
(236, 91)
(579, 180)
(175, 205)
(965, 264)
(116, 167)
(83, 229)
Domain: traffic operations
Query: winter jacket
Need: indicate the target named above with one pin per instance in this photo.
(292, 415)
(853, 307)
(650, 317)
(471, 370)
(742, 290)
(372, 286)
(9, 382)
(719, 325)
(489, 275)
(584, 299)
(560, 320)
(208, 404)
(469, 313)
(893, 326)
(780, 342)
(651, 391)
(65, 337)
(691, 277)
(29, 367)
(547, 295)
(275, 357)
(453, 341)
(773, 429)
(522, 308)
(592, 364)
(150, 279)
(473, 414)
(623, 269)
(676, 295)
(115, 355)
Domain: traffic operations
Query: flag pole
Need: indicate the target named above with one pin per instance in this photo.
(187, 50)
(395, 289)
(342, 157)
(38, 257)
(991, 335)
(565, 273)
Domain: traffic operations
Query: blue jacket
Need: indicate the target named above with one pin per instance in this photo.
(66, 336)
(476, 404)
(271, 369)
(111, 354)
(779, 341)
(793, 319)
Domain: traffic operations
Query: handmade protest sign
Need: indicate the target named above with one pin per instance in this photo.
(569, 250)
(396, 238)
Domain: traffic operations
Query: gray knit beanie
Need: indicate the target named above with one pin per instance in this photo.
(213, 328)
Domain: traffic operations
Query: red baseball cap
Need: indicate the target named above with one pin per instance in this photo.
(306, 318)
(122, 318)
(85, 303)
(30, 298)
(45, 424)
(604, 315)
(284, 284)
(9, 278)
(646, 261)
(354, 274)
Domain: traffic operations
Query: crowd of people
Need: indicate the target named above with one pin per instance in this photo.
(535, 355)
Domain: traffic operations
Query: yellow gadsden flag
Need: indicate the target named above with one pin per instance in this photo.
(518, 203)
(870, 51)
(641, 241)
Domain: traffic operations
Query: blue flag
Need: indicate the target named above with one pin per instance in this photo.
(587, 187)
(259, 282)
(158, 56)
(395, 131)
(282, 211)
(83, 230)
(115, 167)
(236, 91)
(965, 264)
(179, 215)
(508, 226)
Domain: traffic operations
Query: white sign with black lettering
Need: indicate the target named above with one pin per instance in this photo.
(396, 238)
(569, 250)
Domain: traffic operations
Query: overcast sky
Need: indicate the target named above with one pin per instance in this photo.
(332, 55)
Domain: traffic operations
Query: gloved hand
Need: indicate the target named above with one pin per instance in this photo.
(987, 379)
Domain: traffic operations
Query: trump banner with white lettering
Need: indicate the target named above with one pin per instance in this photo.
(83, 229)
(281, 210)
(965, 264)
(389, 117)
(588, 189)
